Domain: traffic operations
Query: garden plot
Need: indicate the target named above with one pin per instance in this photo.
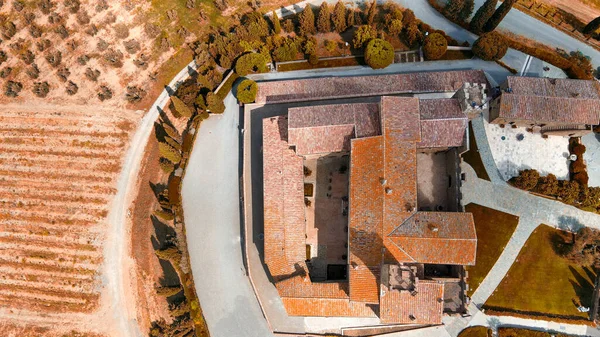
(515, 149)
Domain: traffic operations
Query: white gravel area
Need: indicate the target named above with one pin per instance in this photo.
(532, 151)
(592, 157)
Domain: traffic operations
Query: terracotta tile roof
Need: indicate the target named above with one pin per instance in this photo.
(365, 116)
(378, 85)
(554, 87)
(366, 201)
(329, 128)
(301, 286)
(440, 108)
(321, 139)
(549, 109)
(327, 307)
(424, 307)
(364, 283)
(438, 237)
(439, 133)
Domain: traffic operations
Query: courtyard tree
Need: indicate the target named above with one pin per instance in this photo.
(490, 46)
(214, 103)
(362, 35)
(435, 46)
(498, 15)
(250, 63)
(306, 20)
(548, 185)
(246, 91)
(339, 17)
(324, 18)
(372, 12)
(482, 15)
(379, 53)
(276, 23)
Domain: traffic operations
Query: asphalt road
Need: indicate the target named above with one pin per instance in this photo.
(211, 197)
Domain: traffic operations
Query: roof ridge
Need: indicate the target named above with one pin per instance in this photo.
(402, 249)
(403, 222)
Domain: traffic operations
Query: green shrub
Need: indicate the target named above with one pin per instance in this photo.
(246, 91)
(313, 59)
(168, 152)
(286, 52)
(214, 104)
(490, 46)
(435, 46)
(527, 179)
(379, 54)
(362, 35)
(250, 63)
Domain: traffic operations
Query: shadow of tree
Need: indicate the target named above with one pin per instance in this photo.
(569, 223)
(163, 233)
(582, 286)
(561, 243)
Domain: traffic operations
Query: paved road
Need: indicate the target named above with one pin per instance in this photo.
(212, 217)
(592, 157)
(523, 24)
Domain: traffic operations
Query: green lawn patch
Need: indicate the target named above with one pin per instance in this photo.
(516, 332)
(473, 158)
(476, 331)
(494, 229)
(543, 283)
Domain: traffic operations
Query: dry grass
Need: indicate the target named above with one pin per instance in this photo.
(476, 331)
(542, 283)
(494, 229)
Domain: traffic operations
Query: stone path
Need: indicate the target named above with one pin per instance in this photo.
(485, 151)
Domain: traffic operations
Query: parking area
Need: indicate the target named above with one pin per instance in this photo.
(516, 149)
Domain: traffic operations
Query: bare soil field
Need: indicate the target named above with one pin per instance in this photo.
(585, 10)
(58, 171)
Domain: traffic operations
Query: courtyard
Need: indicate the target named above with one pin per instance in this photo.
(516, 149)
(326, 212)
(435, 172)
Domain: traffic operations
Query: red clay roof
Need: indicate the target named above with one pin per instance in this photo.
(546, 109)
(327, 307)
(425, 307)
(554, 87)
(364, 283)
(321, 139)
(437, 237)
(355, 86)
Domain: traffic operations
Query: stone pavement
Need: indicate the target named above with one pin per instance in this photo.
(592, 157)
(485, 151)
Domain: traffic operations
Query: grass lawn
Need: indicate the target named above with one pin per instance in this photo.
(476, 331)
(515, 332)
(473, 158)
(494, 229)
(541, 282)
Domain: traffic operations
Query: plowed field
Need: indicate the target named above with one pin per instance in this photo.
(58, 171)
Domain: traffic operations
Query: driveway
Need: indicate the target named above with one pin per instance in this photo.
(211, 204)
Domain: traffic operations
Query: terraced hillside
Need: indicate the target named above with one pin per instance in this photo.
(58, 173)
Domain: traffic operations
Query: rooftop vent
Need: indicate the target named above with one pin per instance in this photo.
(433, 227)
(388, 190)
(383, 181)
(412, 317)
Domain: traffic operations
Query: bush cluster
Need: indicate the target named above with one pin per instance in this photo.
(435, 46)
(246, 91)
(379, 54)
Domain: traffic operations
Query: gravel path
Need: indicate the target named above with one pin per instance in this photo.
(119, 302)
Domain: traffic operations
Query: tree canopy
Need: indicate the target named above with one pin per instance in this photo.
(379, 53)
(250, 63)
(306, 20)
(362, 35)
(498, 15)
(324, 18)
(490, 46)
(435, 46)
(339, 17)
(482, 15)
(246, 91)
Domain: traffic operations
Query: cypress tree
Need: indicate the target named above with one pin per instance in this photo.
(466, 11)
(351, 16)
(307, 20)
(372, 12)
(276, 23)
(498, 15)
(339, 17)
(592, 26)
(483, 14)
(453, 8)
(324, 18)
